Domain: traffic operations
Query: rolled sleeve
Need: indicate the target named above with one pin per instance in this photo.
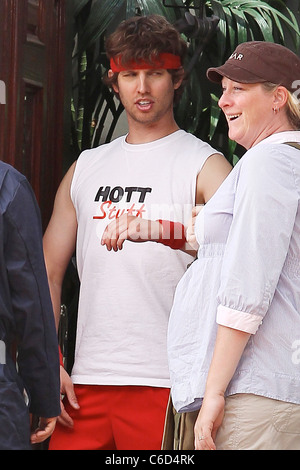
(237, 320)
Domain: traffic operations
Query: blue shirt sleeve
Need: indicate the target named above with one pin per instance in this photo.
(265, 208)
(37, 345)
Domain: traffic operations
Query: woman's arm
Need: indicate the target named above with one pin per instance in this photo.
(229, 347)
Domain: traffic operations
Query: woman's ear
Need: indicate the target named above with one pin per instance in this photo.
(280, 97)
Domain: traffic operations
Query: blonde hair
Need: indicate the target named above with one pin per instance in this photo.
(292, 107)
(293, 110)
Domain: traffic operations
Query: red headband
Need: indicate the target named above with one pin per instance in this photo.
(162, 61)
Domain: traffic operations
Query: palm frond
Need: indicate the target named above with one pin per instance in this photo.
(101, 15)
(239, 21)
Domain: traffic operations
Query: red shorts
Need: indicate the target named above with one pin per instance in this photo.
(114, 418)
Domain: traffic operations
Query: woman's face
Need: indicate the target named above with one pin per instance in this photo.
(249, 112)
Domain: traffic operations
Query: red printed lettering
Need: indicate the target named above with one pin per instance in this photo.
(112, 213)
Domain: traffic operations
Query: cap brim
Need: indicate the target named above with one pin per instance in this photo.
(237, 74)
(214, 75)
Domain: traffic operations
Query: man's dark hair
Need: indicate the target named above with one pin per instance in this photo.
(142, 38)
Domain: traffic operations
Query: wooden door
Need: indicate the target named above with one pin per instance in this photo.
(33, 65)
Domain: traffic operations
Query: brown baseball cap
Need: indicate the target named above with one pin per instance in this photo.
(257, 62)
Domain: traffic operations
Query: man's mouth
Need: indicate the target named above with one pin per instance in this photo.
(144, 104)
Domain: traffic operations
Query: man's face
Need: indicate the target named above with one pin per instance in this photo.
(147, 95)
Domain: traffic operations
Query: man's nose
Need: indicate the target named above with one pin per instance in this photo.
(143, 83)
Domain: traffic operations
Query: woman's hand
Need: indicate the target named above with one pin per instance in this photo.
(67, 389)
(190, 233)
(208, 422)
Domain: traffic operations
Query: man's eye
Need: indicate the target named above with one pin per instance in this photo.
(128, 74)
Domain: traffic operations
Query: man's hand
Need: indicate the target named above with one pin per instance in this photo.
(44, 430)
(67, 389)
(128, 227)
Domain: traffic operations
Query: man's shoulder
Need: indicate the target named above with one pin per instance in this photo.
(7, 168)
(10, 178)
(100, 150)
(12, 182)
(188, 137)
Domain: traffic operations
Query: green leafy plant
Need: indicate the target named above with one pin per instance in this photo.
(96, 112)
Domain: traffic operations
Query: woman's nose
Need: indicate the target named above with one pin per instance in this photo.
(224, 100)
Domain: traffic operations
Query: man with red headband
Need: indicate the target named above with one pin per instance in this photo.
(140, 188)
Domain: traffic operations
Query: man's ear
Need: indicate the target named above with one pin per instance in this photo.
(179, 80)
(110, 74)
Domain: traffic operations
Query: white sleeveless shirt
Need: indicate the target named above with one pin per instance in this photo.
(126, 296)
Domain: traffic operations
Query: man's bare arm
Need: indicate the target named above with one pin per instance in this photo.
(60, 240)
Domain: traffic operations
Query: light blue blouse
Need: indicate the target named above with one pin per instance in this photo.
(247, 277)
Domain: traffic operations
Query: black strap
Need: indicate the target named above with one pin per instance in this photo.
(293, 144)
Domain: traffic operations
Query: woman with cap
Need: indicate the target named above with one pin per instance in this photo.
(234, 332)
